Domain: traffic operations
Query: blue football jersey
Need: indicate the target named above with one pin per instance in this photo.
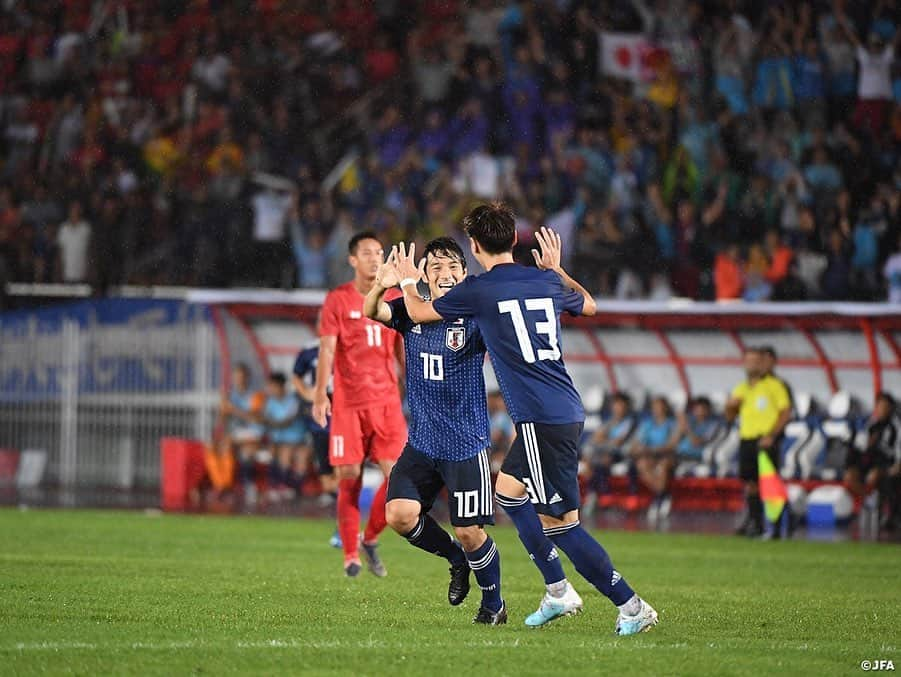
(305, 369)
(283, 410)
(445, 385)
(518, 313)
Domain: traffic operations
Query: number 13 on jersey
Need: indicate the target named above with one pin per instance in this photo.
(548, 327)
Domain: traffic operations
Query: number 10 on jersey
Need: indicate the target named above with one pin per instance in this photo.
(432, 367)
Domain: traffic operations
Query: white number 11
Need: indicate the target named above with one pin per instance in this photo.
(547, 327)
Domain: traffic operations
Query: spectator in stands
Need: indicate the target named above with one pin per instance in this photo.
(763, 407)
(836, 281)
(240, 412)
(270, 209)
(874, 84)
(779, 269)
(892, 273)
(866, 469)
(288, 436)
(73, 240)
(312, 240)
(151, 120)
(757, 287)
(809, 70)
(698, 427)
(606, 447)
(727, 274)
(654, 453)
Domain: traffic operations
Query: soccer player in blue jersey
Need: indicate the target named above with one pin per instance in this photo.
(449, 434)
(303, 376)
(517, 310)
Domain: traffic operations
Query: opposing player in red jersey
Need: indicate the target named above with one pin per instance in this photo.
(367, 420)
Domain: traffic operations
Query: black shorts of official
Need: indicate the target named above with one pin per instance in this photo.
(546, 459)
(747, 458)
(320, 451)
(867, 460)
(418, 477)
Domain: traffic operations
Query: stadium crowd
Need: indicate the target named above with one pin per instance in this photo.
(755, 154)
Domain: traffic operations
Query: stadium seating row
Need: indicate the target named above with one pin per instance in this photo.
(814, 446)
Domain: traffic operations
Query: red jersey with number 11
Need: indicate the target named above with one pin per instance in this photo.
(365, 365)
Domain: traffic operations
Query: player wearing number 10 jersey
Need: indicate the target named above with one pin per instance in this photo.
(518, 312)
(367, 421)
(449, 432)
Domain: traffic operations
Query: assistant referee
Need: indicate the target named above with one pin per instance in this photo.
(763, 406)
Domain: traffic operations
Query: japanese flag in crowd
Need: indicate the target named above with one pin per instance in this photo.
(622, 55)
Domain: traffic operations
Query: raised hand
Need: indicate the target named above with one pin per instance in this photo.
(405, 263)
(387, 275)
(551, 245)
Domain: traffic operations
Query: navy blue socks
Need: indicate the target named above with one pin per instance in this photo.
(539, 546)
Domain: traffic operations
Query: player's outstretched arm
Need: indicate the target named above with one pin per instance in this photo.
(322, 406)
(374, 306)
(549, 259)
(419, 310)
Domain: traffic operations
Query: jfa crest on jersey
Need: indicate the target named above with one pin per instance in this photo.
(455, 338)
(445, 385)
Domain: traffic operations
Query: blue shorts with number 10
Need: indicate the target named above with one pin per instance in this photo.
(418, 477)
(545, 458)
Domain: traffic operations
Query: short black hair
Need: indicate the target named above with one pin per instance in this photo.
(445, 246)
(770, 351)
(887, 396)
(703, 401)
(277, 377)
(243, 368)
(624, 398)
(665, 402)
(358, 238)
(492, 226)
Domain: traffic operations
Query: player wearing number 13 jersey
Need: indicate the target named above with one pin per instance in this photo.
(367, 420)
(449, 433)
(518, 312)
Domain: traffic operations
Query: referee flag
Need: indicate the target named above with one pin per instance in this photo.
(772, 488)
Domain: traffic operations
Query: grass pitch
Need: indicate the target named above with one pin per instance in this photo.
(125, 593)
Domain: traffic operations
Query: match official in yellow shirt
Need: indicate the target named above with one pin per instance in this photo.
(763, 406)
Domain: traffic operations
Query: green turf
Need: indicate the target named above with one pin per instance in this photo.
(97, 593)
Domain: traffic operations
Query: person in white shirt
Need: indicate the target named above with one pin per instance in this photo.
(874, 80)
(270, 216)
(73, 240)
(892, 272)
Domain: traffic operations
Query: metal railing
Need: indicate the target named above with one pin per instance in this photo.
(97, 399)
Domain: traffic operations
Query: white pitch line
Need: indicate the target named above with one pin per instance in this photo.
(371, 643)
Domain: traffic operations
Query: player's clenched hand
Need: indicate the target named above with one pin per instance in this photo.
(387, 275)
(550, 243)
(322, 409)
(406, 263)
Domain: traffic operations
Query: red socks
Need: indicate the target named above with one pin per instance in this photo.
(377, 521)
(348, 510)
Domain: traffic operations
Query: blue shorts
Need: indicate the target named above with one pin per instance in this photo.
(546, 459)
(292, 435)
(418, 477)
